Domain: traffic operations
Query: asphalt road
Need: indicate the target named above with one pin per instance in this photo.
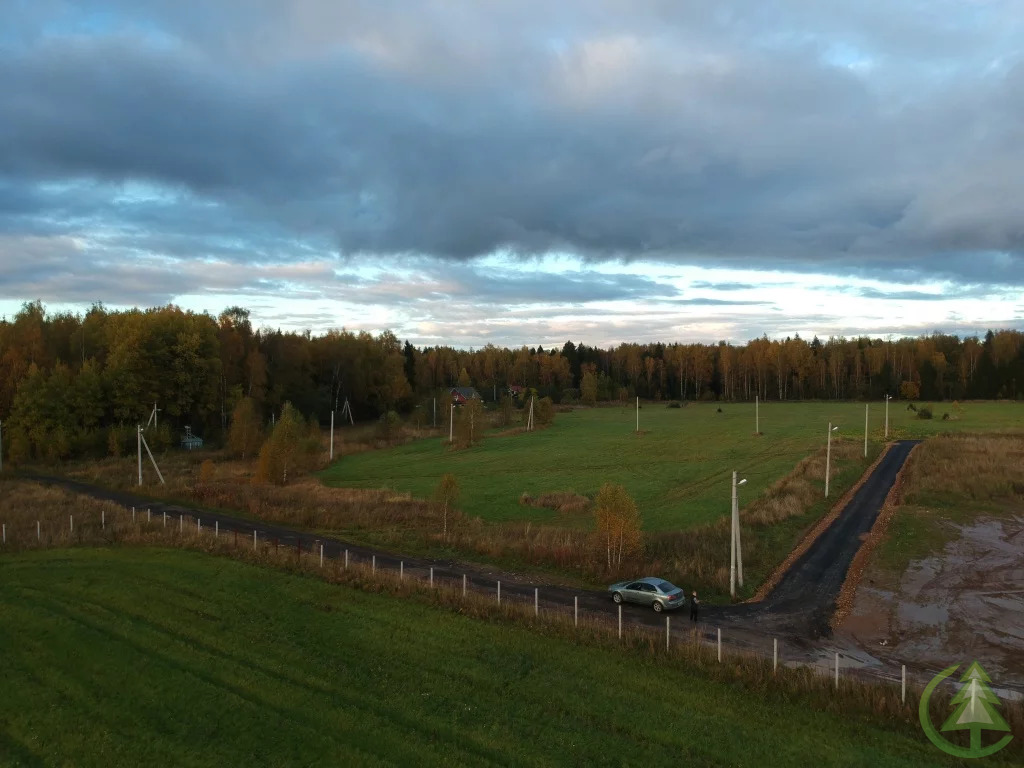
(799, 608)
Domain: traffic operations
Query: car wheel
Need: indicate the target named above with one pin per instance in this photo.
(617, 597)
(658, 607)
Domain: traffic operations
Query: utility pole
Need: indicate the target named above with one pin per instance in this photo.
(638, 415)
(332, 435)
(735, 555)
(732, 538)
(435, 413)
(887, 399)
(451, 422)
(865, 430)
(757, 414)
(828, 453)
(138, 436)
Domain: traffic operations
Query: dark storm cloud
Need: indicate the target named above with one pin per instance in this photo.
(868, 140)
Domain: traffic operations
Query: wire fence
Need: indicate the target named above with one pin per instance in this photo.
(747, 653)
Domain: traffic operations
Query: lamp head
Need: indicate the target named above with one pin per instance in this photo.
(835, 427)
(741, 482)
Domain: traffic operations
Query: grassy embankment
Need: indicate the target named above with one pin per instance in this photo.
(178, 658)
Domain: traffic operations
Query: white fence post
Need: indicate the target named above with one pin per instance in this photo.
(775, 654)
(5, 532)
(576, 610)
(499, 593)
(620, 621)
(254, 538)
(216, 528)
(903, 685)
(71, 523)
(133, 514)
(346, 559)
(667, 631)
(837, 670)
(321, 555)
(181, 523)
(719, 644)
(401, 570)
(431, 576)
(103, 519)
(165, 519)
(536, 601)
(39, 532)
(199, 525)
(149, 515)
(373, 564)
(463, 585)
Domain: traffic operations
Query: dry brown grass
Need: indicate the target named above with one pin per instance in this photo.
(977, 468)
(564, 502)
(794, 493)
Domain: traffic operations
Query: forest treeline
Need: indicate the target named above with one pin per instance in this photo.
(74, 384)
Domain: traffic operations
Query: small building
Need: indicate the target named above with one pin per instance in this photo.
(462, 394)
(514, 391)
(190, 441)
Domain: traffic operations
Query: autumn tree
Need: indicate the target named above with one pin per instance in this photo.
(469, 423)
(245, 434)
(288, 450)
(910, 390)
(617, 521)
(445, 496)
(588, 388)
(504, 415)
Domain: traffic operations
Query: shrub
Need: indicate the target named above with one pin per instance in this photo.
(388, 425)
(924, 413)
(674, 404)
(544, 411)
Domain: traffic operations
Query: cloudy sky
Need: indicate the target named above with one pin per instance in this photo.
(468, 172)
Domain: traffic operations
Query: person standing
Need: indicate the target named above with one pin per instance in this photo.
(694, 606)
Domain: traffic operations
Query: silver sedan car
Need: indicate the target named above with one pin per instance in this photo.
(661, 595)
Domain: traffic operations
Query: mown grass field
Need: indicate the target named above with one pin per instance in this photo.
(678, 470)
(165, 657)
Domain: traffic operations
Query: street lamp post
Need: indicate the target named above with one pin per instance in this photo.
(865, 430)
(888, 397)
(828, 453)
(735, 552)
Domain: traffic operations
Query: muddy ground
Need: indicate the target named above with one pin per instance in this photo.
(962, 604)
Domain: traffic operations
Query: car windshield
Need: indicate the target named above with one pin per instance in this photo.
(667, 587)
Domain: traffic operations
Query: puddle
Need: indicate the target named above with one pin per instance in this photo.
(964, 604)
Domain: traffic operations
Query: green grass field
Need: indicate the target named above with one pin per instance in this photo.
(165, 657)
(678, 471)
